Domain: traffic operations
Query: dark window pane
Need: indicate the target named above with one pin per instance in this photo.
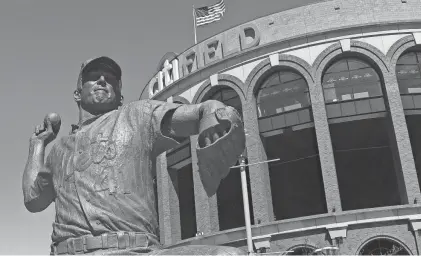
(228, 94)
(292, 195)
(407, 71)
(186, 202)
(361, 81)
(330, 95)
(364, 163)
(410, 86)
(344, 93)
(367, 90)
(276, 97)
(216, 96)
(270, 106)
(234, 102)
(289, 76)
(271, 81)
(363, 76)
(229, 97)
(295, 86)
(357, 64)
(336, 79)
(407, 58)
(338, 67)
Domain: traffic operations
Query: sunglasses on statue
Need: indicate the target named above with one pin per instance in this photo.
(96, 75)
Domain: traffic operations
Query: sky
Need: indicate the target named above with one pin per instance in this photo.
(42, 45)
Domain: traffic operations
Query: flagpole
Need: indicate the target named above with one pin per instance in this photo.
(194, 24)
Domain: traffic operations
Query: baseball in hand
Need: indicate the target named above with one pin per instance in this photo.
(55, 121)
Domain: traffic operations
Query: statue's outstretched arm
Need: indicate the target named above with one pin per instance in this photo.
(37, 184)
(185, 120)
(221, 137)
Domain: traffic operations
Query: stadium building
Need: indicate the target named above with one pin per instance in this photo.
(333, 90)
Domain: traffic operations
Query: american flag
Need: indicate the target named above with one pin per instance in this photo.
(209, 14)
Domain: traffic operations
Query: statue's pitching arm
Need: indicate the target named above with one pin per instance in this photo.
(221, 137)
(37, 184)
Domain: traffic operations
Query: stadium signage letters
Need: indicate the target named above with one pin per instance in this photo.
(203, 54)
(168, 75)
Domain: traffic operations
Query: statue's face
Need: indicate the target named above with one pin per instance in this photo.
(100, 91)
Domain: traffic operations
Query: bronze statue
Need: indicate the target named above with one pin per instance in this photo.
(100, 176)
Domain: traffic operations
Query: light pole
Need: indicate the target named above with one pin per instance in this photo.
(246, 203)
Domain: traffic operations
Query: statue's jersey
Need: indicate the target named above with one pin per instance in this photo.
(103, 172)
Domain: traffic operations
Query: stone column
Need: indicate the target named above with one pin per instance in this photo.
(401, 145)
(324, 144)
(259, 174)
(168, 203)
(206, 207)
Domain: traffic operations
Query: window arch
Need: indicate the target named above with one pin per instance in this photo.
(282, 91)
(383, 246)
(350, 79)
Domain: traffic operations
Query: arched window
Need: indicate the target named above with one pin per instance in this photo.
(229, 194)
(361, 133)
(287, 133)
(229, 97)
(408, 73)
(350, 79)
(304, 249)
(282, 92)
(383, 246)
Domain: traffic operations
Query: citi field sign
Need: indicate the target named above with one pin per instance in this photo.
(201, 55)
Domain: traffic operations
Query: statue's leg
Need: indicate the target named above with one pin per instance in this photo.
(200, 250)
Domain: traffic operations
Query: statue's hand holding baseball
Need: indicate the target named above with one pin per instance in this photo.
(48, 130)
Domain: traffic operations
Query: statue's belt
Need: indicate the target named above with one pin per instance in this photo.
(118, 240)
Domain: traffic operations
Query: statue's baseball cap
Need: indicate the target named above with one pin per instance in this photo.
(103, 63)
